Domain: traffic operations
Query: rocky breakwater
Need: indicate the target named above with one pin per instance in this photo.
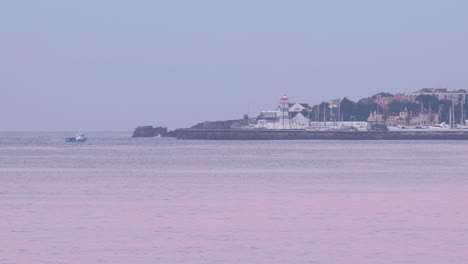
(264, 134)
(150, 131)
(228, 124)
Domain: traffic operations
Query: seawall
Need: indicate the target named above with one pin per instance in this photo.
(263, 134)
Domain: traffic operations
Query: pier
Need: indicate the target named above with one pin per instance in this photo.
(292, 134)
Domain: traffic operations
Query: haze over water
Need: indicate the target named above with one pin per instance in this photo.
(116, 65)
(115, 199)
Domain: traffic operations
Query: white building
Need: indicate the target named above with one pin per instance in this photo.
(299, 121)
(299, 107)
(286, 116)
(440, 93)
(268, 119)
(291, 116)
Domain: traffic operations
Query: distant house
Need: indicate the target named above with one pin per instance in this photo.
(298, 115)
(298, 120)
(440, 93)
(268, 119)
(299, 107)
(383, 102)
(295, 117)
(335, 103)
(269, 115)
(376, 118)
(400, 119)
(424, 118)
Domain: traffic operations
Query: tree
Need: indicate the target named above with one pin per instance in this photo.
(324, 108)
(397, 106)
(412, 107)
(314, 113)
(347, 109)
(362, 110)
(427, 100)
(444, 110)
(246, 119)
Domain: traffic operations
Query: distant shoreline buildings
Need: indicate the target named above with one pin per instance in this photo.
(440, 93)
(418, 114)
(425, 108)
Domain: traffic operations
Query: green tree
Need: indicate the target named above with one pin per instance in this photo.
(347, 109)
(428, 100)
(324, 107)
(362, 110)
(246, 119)
(444, 110)
(397, 106)
(314, 113)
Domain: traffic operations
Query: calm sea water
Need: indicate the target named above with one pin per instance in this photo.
(115, 199)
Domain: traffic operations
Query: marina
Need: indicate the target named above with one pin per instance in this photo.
(427, 114)
(394, 118)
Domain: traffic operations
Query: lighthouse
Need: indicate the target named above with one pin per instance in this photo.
(284, 121)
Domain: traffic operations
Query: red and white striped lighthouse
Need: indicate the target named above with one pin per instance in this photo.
(284, 121)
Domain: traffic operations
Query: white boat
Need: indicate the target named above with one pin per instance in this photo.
(406, 128)
(442, 125)
(437, 127)
(80, 137)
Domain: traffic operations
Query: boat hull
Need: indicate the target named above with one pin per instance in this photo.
(76, 139)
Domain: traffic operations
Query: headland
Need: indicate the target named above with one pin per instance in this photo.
(427, 114)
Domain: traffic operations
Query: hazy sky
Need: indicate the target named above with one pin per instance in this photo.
(115, 65)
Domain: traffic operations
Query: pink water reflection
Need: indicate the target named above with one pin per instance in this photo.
(308, 224)
(224, 202)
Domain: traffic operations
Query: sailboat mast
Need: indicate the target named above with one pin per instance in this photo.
(452, 122)
(317, 114)
(450, 116)
(429, 111)
(324, 115)
(453, 114)
(339, 111)
(462, 120)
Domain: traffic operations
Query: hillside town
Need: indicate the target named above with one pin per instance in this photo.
(428, 108)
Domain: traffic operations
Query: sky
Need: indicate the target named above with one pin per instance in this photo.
(115, 65)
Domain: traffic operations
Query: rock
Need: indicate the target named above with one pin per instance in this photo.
(150, 131)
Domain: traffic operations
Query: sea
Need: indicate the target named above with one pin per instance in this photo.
(117, 199)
